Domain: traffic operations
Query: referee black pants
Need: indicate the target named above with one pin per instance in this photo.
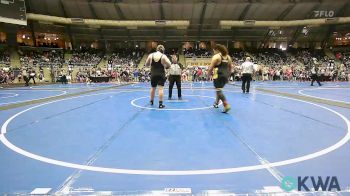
(246, 78)
(64, 79)
(31, 77)
(26, 79)
(314, 77)
(172, 80)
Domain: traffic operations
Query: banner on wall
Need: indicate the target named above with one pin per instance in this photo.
(195, 62)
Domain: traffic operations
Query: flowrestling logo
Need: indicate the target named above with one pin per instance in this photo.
(324, 13)
(306, 183)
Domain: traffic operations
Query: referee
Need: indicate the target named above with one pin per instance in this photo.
(158, 61)
(25, 76)
(247, 72)
(175, 77)
(314, 72)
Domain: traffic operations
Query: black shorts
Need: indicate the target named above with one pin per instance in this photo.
(157, 81)
(220, 82)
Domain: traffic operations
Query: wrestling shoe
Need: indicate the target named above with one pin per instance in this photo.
(216, 105)
(226, 108)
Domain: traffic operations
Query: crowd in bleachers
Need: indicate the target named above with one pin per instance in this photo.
(116, 75)
(275, 64)
(197, 53)
(171, 52)
(41, 58)
(271, 64)
(122, 65)
(41, 44)
(86, 57)
(125, 57)
(6, 77)
(6, 72)
(4, 57)
(297, 66)
(83, 74)
(344, 57)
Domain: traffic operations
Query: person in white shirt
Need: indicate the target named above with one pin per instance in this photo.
(247, 72)
(32, 75)
(175, 77)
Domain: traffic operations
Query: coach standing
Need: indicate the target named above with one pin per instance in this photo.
(247, 72)
(175, 77)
